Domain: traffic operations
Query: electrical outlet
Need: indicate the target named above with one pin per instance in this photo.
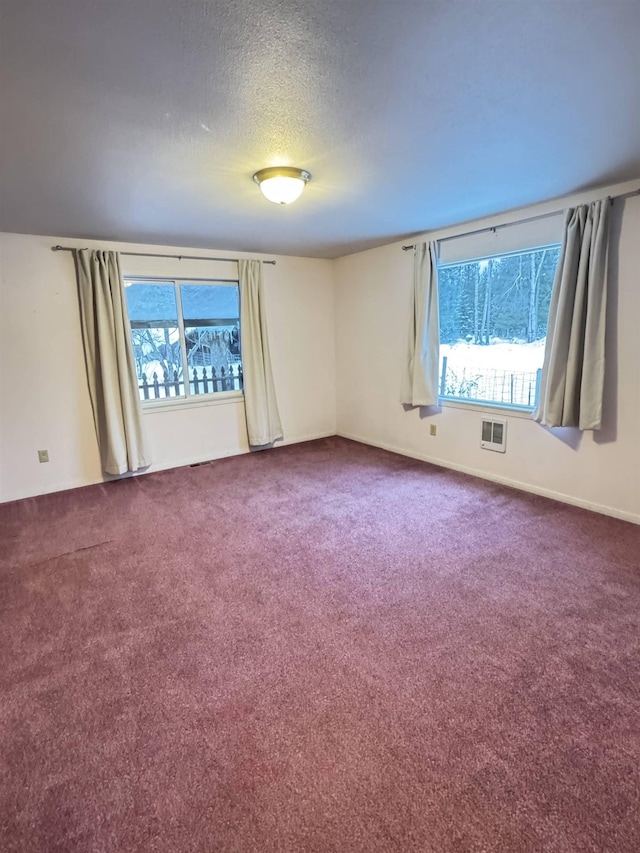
(43, 455)
(433, 429)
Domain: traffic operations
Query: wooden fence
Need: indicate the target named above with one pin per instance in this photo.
(203, 380)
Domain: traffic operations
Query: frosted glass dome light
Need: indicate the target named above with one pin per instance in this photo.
(282, 184)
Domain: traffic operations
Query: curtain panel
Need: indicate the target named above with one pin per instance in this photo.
(420, 380)
(572, 383)
(261, 407)
(111, 373)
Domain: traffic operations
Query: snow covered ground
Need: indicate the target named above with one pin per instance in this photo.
(503, 372)
(501, 355)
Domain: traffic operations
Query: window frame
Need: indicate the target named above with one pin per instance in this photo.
(470, 403)
(188, 400)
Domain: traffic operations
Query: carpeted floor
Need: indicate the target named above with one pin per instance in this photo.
(325, 647)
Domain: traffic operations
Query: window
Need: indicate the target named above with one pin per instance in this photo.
(493, 324)
(178, 323)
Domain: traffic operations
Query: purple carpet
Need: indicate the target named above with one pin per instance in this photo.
(324, 647)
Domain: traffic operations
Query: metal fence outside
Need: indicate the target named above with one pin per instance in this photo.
(486, 385)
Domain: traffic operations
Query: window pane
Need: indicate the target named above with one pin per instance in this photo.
(209, 304)
(493, 324)
(151, 303)
(212, 336)
(153, 314)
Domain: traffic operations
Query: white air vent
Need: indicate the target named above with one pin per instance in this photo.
(494, 436)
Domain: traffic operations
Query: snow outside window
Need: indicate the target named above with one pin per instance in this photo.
(493, 325)
(186, 338)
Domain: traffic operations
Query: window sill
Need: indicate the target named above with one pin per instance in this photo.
(489, 408)
(220, 399)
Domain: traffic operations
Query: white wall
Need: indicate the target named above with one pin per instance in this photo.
(44, 402)
(600, 471)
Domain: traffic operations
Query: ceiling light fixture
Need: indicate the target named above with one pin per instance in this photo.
(282, 184)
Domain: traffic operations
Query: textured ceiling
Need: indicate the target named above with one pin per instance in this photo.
(144, 120)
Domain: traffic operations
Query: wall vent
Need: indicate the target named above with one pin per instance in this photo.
(494, 436)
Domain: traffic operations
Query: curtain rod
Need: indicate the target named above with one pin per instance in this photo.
(517, 221)
(154, 255)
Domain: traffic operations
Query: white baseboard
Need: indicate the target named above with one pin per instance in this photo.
(182, 462)
(298, 439)
(50, 489)
(603, 509)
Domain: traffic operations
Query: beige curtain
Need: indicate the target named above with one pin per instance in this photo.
(261, 408)
(572, 383)
(420, 381)
(113, 384)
